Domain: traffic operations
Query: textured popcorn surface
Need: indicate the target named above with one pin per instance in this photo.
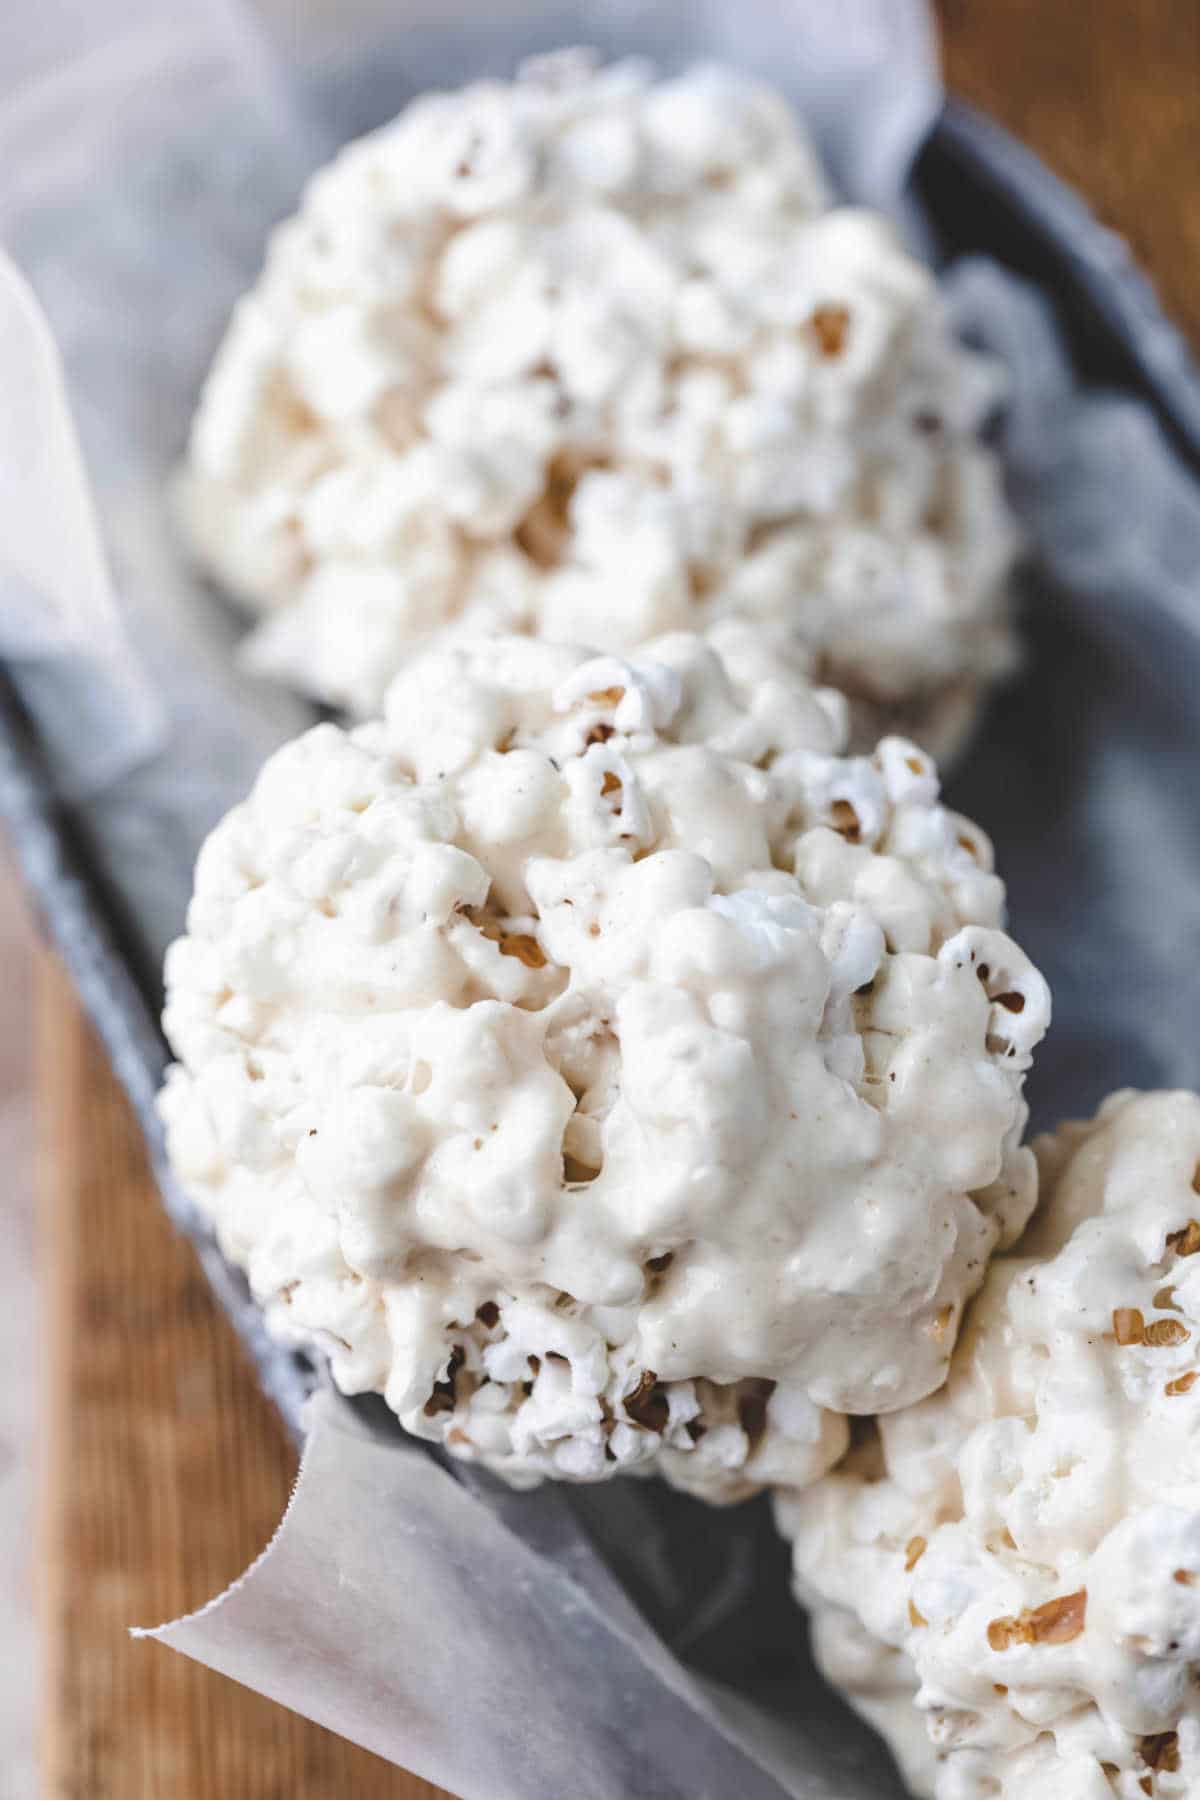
(599, 1063)
(535, 336)
(1020, 1553)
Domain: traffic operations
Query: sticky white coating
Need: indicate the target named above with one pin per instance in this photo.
(598, 1063)
(1020, 1553)
(592, 357)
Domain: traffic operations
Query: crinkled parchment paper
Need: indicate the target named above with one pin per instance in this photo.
(622, 1640)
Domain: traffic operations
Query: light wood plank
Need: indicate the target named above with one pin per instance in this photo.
(1105, 92)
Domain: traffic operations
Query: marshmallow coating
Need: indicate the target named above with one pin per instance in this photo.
(1019, 1555)
(593, 357)
(598, 1062)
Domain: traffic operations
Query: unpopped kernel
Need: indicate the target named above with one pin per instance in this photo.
(592, 356)
(1019, 1555)
(594, 1059)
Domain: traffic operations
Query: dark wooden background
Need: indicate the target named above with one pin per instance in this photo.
(166, 1471)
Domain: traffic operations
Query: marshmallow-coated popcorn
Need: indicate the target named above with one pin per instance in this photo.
(533, 335)
(1020, 1553)
(593, 1059)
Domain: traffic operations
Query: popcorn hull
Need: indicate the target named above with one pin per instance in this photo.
(982, 194)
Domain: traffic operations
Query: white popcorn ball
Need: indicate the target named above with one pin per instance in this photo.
(1006, 1578)
(591, 356)
(596, 1061)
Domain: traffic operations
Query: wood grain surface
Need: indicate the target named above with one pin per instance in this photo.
(1105, 92)
(167, 1472)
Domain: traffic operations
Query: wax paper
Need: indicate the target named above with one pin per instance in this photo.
(623, 1640)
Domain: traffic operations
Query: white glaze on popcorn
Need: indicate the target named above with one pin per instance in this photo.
(590, 356)
(563, 995)
(1061, 1460)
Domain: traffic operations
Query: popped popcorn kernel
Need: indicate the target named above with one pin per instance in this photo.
(536, 1074)
(596, 359)
(1053, 1485)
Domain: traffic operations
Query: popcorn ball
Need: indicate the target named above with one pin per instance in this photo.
(592, 357)
(593, 1059)
(1020, 1554)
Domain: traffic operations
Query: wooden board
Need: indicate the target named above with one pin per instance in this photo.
(1105, 92)
(167, 1470)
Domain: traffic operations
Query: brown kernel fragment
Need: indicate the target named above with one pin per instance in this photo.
(915, 764)
(914, 1550)
(1181, 1385)
(1160, 1750)
(845, 820)
(488, 1314)
(1146, 1784)
(611, 783)
(1055, 1622)
(1129, 1326)
(701, 582)
(1166, 1332)
(940, 1324)
(1111, 1770)
(442, 1400)
(659, 1264)
(525, 949)
(1008, 1539)
(647, 1403)
(999, 1688)
(830, 325)
(1165, 1297)
(608, 697)
(1186, 1578)
(1014, 1002)
(915, 1616)
(984, 972)
(1059, 1621)
(968, 844)
(1185, 1242)
(1008, 1631)
(545, 531)
(599, 734)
